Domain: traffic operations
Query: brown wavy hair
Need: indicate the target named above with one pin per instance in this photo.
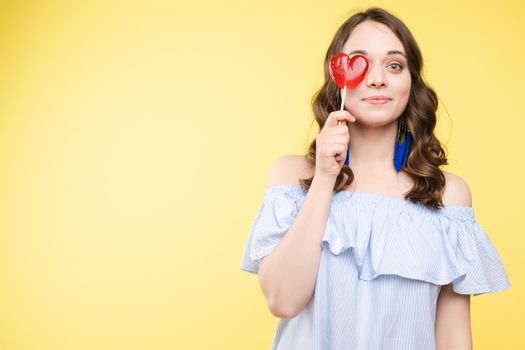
(426, 154)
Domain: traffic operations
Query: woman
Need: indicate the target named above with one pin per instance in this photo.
(369, 256)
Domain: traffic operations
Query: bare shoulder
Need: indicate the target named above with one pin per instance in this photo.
(288, 169)
(457, 191)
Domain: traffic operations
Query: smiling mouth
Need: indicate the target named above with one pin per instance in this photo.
(377, 101)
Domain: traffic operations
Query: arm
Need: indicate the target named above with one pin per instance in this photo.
(453, 331)
(287, 276)
(453, 320)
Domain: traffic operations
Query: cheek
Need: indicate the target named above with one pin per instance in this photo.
(402, 87)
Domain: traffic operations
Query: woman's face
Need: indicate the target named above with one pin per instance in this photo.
(387, 75)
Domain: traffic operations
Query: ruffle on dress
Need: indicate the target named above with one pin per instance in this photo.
(388, 235)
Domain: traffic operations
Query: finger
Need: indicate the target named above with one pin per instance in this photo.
(341, 130)
(336, 149)
(338, 130)
(339, 139)
(336, 116)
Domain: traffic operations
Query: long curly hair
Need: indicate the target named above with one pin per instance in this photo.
(426, 152)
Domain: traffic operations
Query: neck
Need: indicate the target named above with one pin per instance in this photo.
(372, 148)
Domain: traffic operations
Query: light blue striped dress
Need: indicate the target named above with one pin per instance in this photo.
(383, 262)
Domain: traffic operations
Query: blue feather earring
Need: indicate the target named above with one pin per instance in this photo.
(402, 144)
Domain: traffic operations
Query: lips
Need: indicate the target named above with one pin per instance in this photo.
(377, 101)
(377, 98)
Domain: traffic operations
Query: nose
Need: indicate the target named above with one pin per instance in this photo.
(376, 76)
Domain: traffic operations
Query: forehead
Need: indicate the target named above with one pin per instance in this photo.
(373, 37)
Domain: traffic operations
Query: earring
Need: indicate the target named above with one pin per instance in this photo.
(402, 144)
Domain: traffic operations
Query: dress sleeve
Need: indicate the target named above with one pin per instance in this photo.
(275, 216)
(482, 270)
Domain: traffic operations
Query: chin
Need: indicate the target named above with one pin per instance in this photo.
(373, 121)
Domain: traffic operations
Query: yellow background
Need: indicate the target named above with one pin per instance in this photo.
(136, 138)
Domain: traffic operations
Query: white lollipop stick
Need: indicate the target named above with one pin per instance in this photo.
(342, 103)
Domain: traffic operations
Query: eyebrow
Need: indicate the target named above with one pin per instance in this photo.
(391, 52)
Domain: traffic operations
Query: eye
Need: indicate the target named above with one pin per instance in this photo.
(396, 64)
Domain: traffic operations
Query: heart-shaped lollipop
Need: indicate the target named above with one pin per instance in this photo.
(347, 72)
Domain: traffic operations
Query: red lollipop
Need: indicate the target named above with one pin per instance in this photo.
(348, 71)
